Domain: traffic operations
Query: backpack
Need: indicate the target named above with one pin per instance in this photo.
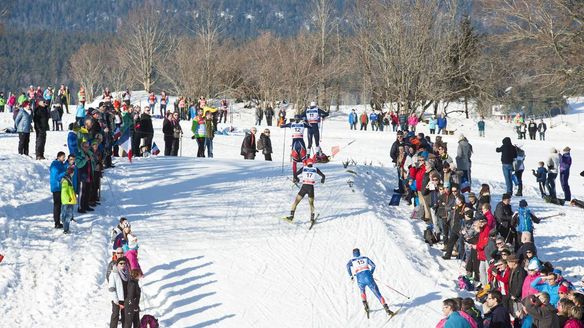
(260, 144)
(149, 321)
(464, 283)
(429, 236)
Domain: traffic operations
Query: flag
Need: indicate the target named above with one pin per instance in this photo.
(1, 257)
(125, 142)
(155, 150)
(335, 150)
(117, 133)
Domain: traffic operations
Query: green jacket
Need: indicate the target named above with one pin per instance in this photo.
(68, 196)
(199, 127)
(21, 99)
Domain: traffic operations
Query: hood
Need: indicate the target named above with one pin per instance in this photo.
(507, 141)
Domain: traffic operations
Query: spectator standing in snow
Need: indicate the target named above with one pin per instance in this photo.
(41, 126)
(117, 286)
(363, 119)
(146, 128)
(353, 120)
(504, 217)
(553, 162)
(373, 120)
(497, 315)
(23, 124)
(167, 133)
(394, 121)
(441, 122)
(463, 155)
(539, 307)
(432, 124)
(518, 168)
(57, 171)
(413, 122)
(481, 126)
(532, 129)
(68, 198)
(269, 114)
(199, 132)
(565, 164)
(265, 145)
(163, 103)
(453, 317)
(209, 133)
(259, 115)
(132, 301)
(508, 154)
(248, 146)
(541, 176)
(541, 128)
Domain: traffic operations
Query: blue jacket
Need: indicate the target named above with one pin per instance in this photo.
(353, 118)
(23, 121)
(541, 174)
(373, 117)
(72, 142)
(80, 111)
(57, 172)
(455, 320)
(545, 287)
(525, 220)
(365, 266)
(442, 122)
(481, 125)
(432, 123)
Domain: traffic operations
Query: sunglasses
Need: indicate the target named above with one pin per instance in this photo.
(122, 263)
(120, 253)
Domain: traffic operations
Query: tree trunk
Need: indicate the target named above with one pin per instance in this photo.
(466, 107)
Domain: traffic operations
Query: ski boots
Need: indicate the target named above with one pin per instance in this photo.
(387, 310)
(290, 217)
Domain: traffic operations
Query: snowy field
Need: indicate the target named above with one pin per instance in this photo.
(215, 253)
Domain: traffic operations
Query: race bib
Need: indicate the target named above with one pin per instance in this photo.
(308, 175)
(360, 265)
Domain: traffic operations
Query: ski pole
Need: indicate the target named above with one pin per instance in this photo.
(553, 215)
(395, 290)
(283, 149)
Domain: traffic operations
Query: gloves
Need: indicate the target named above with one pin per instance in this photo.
(295, 180)
(322, 180)
(352, 277)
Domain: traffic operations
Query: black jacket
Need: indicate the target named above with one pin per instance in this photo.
(146, 124)
(167, 129)
(248, 146)
(395, 150)
(504, 215)
(132, 301)
(41, 118)
(516, 282)
(267, 142)
(508, 151)
(499, 317)
(544, 315)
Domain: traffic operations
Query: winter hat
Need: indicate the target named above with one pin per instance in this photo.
(472, 194)
(461, 137)
(25, 104)
(554, 150)
(533, 266)
(563, 289)
(506, 196)
(312, 103)
(132, 241)
(523, 203)
(567, 150)
(122, 259)
(356, 252)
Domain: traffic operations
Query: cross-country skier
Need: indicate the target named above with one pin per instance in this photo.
(298, 153)
(363, 268)
(313, 116)
(309, 173)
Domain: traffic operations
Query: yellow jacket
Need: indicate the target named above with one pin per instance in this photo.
(68, 196)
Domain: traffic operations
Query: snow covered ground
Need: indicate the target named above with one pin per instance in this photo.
(215, 253)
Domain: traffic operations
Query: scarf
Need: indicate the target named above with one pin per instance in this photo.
(124, 274)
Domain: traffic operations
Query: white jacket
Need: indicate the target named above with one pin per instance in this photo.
(553, 163)
(115, 286)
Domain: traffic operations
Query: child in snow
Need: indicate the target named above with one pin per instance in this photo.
(541, 175)
(131, 253)
(68, 199)
(524, 219)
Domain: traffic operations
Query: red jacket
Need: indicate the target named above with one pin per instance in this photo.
(503, 279)
(417, 173)
(482, 243)
(491, 223)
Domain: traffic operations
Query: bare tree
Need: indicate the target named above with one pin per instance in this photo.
(146, 42)
(87, 67)
(545, 40)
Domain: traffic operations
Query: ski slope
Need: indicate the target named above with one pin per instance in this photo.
(215, 252)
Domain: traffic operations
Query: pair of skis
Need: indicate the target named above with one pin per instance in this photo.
(312, 221)
(389, 313)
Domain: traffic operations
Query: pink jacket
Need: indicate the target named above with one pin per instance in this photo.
(132, 256)
(413, 120)
(463, 314)
(527, 289)
(573, 323)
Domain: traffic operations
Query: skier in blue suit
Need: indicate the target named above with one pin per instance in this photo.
(363, 268)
